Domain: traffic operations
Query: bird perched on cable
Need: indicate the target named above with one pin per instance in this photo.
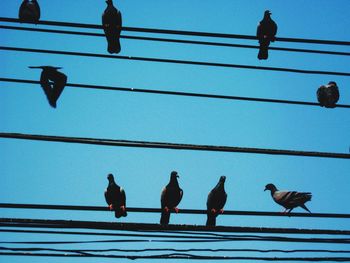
(216, 201)
(53, 82)
(170, 198)
(266, 32)
(115, 197)
(328, 95)
(112, 25)
(289, 199)
(29, 11)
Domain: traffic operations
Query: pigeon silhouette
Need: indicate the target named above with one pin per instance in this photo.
(265, 33)
(289, 199)
(52, 81)
(112, 26)
(29, 12)
(115, 197)
(170, 197)
(216, 201)
(328, 95)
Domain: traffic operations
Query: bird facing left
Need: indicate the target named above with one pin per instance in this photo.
(115, 197)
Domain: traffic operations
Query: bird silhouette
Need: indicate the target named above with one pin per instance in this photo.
(266, 32)
(112, 26)
(216, 201)
(170, 198)
(289, 199)
(115, 197)
(328, 95)
(29, 12)
(52, 81)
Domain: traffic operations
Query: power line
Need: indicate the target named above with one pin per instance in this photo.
(174, 146)
(174, 61)
(158, 210)
(175, 93)
(181, 32)
(181, 41)
(46, 223)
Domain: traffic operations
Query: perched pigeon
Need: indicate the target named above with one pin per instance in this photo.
(265, 33)
(328, 95)
(216, 201)
(29, 11)
(115, 197)
(52, 82)
(289, 199)
(170, 198)
(112, 25)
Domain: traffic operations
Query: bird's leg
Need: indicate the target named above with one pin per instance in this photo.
(213, 210)
(111, 207)
(285, 211)
(166, 209)
(123, 208)
(176, 210)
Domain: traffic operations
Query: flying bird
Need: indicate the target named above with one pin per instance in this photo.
(266, 32)
(328, 95)
(112, 26)
(216, 202)
(29, 11)
(52, 81)
(115, 197)
(170, 198)
(289, 199)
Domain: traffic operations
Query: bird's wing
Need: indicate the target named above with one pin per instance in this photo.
(181, 194)
(122, 196)
(108, 197)
(291, 198)
(163, 197)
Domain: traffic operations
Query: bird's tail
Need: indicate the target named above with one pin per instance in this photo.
(211, 219)
(114, 46)
(307, 197)
(263, 53)
(165, 217)
(119, 212)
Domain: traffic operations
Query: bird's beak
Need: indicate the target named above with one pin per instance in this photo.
(265, 189)
(177, 176)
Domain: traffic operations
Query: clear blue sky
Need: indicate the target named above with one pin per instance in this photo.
(54, 173)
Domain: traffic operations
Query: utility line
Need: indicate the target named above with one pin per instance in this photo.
(158, 210)
(181, 32)
(181, 41)
(174, 61)
(175, 93)
(46, 223)
(174, 146)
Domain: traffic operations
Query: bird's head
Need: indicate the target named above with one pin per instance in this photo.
(270, 187)
(267, 12)
(109, 2)
(223, 179)
(110, 177)
(174, 175)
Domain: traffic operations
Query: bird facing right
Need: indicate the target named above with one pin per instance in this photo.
(289, 199)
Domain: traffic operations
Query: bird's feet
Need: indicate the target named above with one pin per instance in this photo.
(166, 209)
(176, 210)
(110, 207)
(123, 208)
(221, 211)
(213, 211)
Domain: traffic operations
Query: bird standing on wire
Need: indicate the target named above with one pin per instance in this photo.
(29, 11)
(216, 202)
(170, 198)
(328, 95)
(53, 82)
(289, 199)
(266, 32)
(112, 25)
(115, 197)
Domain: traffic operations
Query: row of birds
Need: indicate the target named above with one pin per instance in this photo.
(172, 194)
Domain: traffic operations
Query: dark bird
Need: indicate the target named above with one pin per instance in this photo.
(115, 197)
(216, 201)
(170, 198)
(289, 199)
(53, 82)
(266, 33)
(29, 11)
(328, 95)
(112, 25)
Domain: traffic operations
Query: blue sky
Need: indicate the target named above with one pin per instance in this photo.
(53, 173)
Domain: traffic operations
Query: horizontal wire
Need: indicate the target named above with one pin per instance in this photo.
(179, 256)
(181, 41)
(174, 61)
(181, 32)
(158, 210)
(175, 93)
(173, 146)
(46, 223)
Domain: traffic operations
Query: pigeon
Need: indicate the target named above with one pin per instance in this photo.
(115, 197)
(29, 12)
(112, 25)
(216, 201)
(170, 197)
(328, 95)
(265, 33)
(53, 82)
(289, 199)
